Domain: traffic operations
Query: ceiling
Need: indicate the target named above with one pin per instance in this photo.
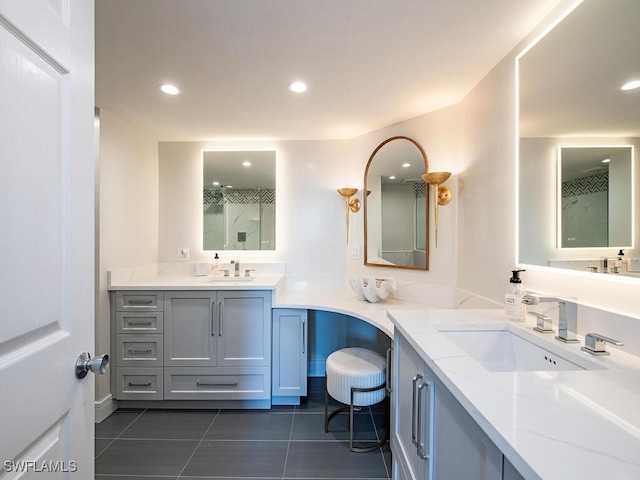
(368, 63)
(570, 80)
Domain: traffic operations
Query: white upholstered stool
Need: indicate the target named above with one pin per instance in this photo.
(356, 377)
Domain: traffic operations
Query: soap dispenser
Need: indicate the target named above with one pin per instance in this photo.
(514, 309)
(216, 264)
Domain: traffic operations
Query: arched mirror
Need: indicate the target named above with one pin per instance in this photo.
(396, 206)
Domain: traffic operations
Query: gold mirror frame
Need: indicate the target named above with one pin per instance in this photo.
(367, 208)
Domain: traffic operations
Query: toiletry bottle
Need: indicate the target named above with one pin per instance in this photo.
(216, 264)
(514, 309)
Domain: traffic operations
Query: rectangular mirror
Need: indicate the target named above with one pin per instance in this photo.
(238, 201)
(571, 101)
(595, 197)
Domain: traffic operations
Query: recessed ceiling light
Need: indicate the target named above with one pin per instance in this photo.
(392, 177)
(606, 160)
(216, 184)
(246, 163)
(169, 89)
(298, 87)
(406, 165)
(631, 85)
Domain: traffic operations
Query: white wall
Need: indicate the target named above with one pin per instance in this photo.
(310, 214)
(128, 214)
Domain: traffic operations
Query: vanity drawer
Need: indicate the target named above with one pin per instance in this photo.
(139, 350)
(139, 322)
(218, 383)
(139, 383)
(138, 300)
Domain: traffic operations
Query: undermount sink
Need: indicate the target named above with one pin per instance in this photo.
(508, 351)
(231, 278)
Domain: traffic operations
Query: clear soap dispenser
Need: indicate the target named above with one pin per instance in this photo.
(514, 309)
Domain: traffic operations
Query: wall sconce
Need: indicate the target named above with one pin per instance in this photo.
(441, 195)
(353, 204)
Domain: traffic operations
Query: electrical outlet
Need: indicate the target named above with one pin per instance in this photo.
(183, 253)
(355, 252)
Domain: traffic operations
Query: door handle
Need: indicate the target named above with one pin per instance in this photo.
(213, 319)
(419, 444)
(413, 408)
(304, 337)
(388, 376)
(220, 318)
(86, 364)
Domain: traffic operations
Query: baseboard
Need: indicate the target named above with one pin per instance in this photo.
(104, 408)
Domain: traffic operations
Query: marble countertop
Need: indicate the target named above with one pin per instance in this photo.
(550, 425)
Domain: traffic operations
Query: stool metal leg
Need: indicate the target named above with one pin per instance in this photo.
(328, 416)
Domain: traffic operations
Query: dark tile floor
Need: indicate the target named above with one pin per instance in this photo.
(281, 443)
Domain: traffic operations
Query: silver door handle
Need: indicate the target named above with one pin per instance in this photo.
(216, 384)
(413, 408)
(213, 319)
(388, 375)
(139, 302)
(139, 323)
(148, 350)
(85, 364)
(419, 450)
(220, 318)
(131, 384)
(304, 337)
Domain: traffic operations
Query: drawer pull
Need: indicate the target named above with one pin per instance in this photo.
(216, 384)
(139, 302)
(139, 351)
(131, 384)
(140, 323)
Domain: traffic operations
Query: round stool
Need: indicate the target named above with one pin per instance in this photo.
(356, 377)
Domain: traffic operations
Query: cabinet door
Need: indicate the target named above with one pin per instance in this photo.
(462, 449)
(289, 353)
(412, 392)
(244, 329)
(191, 326)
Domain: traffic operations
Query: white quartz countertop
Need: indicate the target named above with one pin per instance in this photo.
(345, 302)
(550, 424)
(205, 282)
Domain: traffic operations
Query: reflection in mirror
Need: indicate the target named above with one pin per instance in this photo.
(569, 95)
(239, 200)
(595, 191)
(396, 206)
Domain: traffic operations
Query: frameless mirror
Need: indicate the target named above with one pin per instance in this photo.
(570, 98)
(396, 206)
(594, 192)
(238, 200)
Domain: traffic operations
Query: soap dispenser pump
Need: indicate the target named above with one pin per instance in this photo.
(514, 309)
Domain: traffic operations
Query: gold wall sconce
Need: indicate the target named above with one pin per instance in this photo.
(441, 195)
(353, 204)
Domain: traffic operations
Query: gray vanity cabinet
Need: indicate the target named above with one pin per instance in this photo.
(290, 356)
(217, 345)
(137, 333)
(412, 396)
(432, 435)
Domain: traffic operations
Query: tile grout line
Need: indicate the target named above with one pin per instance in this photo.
(286, 457)
(198, 445)
(117, 436)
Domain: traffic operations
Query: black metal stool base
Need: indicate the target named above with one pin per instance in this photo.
(361, 447)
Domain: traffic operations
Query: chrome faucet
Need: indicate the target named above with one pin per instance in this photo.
(567, 316)
(236, 267)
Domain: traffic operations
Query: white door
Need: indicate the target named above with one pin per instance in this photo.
(46, 237)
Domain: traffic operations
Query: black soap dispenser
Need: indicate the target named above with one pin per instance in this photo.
(514, 309)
